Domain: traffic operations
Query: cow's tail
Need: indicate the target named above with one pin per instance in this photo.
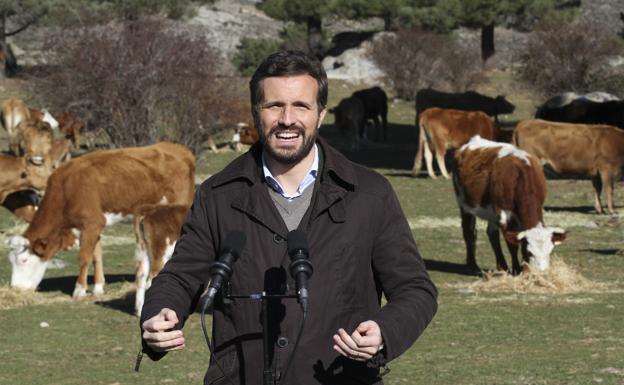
(422, 142)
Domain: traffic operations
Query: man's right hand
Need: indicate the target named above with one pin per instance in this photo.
(158, 332)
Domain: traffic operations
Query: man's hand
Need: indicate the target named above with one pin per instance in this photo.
(158, 333)
(362, 344)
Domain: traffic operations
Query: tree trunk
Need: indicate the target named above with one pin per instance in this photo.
(487, 43)
(315, 37)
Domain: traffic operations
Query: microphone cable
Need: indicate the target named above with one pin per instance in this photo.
(210, 347)
(301, 325)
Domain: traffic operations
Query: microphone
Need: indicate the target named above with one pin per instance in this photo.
(221, 269)
(300, 265)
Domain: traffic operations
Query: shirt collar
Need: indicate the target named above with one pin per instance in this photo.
(309, 178)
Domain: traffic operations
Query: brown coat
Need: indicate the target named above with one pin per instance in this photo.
(360, 246)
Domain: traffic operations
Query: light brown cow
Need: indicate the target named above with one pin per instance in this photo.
(596, 151)
(14, 111)
(17, 174)
(444, 129)
(92, 191)
(505, 186)
(158, 229)
(35, 139)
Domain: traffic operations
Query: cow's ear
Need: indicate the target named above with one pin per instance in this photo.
(559, 237)
(513, 237)
(39, 247)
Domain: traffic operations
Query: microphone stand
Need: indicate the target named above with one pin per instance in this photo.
(268, 376)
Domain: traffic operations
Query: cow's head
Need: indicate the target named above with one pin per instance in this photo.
(503, 106)
(540, 242)
(27, 268)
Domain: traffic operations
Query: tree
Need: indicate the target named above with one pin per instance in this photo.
(395, 13)
(309, 12)
(486, 14)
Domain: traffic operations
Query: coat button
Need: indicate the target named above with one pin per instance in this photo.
(282, 342)
(278, 238)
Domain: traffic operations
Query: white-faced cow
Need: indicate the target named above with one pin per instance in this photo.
(505, 186)
(92, 191)
(443, 129)
(350, 119)
(375, 102)
(158, 229)
(590, 150)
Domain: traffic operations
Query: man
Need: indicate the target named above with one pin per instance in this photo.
(359, 242)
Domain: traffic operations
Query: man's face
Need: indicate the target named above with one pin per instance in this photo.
(289, 117)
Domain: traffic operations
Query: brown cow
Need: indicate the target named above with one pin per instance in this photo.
(17, 174)
(505, 186)
(14, 111)
(70, 126)
(35, 139)
(580, 149)
(92, 191)
(444, 129)
(158, 229)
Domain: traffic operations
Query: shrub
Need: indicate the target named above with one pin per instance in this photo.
(573, 56)
(414, 59)
(251, 52)
(138, 81)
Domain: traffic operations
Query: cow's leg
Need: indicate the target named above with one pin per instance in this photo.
(89, 239)
(608, 181)
(493, 235)
(378, 132)
(98, 269)
(597, 183)
(429, 160)
(384, 122)
(513, 251)
(469, 222)
(440, 153)
(419, 153)
(142, 275)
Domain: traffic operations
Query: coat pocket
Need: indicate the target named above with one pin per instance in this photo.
(216, 374)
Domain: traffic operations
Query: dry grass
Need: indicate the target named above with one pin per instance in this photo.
(559, 279)
(15, 298)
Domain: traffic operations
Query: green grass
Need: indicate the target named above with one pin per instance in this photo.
(476, 338)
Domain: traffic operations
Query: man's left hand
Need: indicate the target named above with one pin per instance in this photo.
(362, 344)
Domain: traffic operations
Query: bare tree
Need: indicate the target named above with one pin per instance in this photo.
(138, 80)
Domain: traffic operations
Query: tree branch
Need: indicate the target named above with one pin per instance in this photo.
(28, 24)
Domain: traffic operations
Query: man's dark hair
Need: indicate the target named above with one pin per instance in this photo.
(287, 63)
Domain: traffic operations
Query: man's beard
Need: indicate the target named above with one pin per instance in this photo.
(290, 158)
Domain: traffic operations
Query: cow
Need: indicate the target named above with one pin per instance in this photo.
(375, 103)
(505, 186)
(14, 111)
(70, 127)
(441, 129)
(248, 133)
(350, 119)
(17, 174)
(158, 229)
(34, 141)
(590, 150)
(467, 101)
(582, 110)
(60, 151)
(566, 98)
(90, 192)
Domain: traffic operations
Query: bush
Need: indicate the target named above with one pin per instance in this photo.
(575, 56)
(414, 59)
(251, 52)
(138, 81)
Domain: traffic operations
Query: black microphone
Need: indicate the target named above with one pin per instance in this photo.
(300, 265)
(221, 269)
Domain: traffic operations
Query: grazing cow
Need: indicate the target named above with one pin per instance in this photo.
(441, 129)
(586, 111)
(93, 191)
(158, 229)
(23, 204)
(350, 119)
(15, 111)
(505, 186)
(590, 150)
(17, 174)
(375, 103)
(467, 101)
(70, 126)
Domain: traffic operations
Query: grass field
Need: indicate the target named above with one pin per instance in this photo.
(479, 337)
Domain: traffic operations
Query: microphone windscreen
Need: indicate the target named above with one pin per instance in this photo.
(296, 240)
(234, 243)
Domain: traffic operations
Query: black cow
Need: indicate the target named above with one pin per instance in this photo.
(350, 118)
(587, 112)
(375, 104)
(467, 101)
